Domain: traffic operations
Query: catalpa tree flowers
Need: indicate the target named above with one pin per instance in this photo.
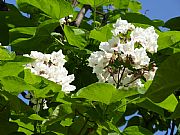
(123, 60)
(51, 67)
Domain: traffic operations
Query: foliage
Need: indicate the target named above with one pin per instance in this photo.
(94, 108)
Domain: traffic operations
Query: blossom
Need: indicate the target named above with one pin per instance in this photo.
(123, 60)
(121, 26)
(65, 20)
(146, 37)
(51, 67)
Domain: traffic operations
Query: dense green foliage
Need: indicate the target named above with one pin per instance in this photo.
(94, 108)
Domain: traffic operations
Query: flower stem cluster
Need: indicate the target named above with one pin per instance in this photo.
(51, 67)
(123, 60)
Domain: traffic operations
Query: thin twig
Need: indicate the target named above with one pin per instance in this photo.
(120, 78)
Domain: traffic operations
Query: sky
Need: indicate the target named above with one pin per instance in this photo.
(161, 9)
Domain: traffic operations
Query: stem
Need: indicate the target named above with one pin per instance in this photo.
(173, 127)
(127, 103)
(133, 80)
(119, 79)
(83, 127)
(94, 15)
(35, 126)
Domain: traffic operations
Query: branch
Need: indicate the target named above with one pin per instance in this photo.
(80, 16)
(74, 3)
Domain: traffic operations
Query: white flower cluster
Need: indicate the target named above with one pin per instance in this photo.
(123, 60)
(66, 19)
(51, 67)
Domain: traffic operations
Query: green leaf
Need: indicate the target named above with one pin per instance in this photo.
(25, 127)
(12, 18)
(173, 24)
(11, 69)
(135, 5)
(103, 92)
(167, 39)
(138, 18)
(5, 54)
(103, 34)
(95, 3)
(54, 8)
(169, 103)
(43, 85)
(166, 80)
(121, 4)
(66, 122)
(149, 105)
(21, 32)
(75, 36)
(15, 85)
(176, 113)
(60, 113)
(135, 130)
(42, 38)
(36, 117)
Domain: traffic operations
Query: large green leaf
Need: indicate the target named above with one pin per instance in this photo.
(103, 34)
(42, 84)
(176, 113)
(135, 130)
(166, 80)
(60, 113)
(173, 24)
(40, 41)
(149, 105)
(10, 19)
(121, 4)
(103, 92)
(15, 85)
(21, 32)
(135, 5)
(168, 39)
(54, 8)
(75, 36)
(169, 103)
(138, 18)
(95, 3)
(11, 69)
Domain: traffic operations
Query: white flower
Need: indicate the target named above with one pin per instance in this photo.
(140, 58)
(51, 67)
(45, 104)
(146, 37)
(127, 48)
(110, 46)
(150, 74)
(121, 26)
(123, 60)
(64, 20)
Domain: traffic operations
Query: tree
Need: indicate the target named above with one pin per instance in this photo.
(84, 66)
